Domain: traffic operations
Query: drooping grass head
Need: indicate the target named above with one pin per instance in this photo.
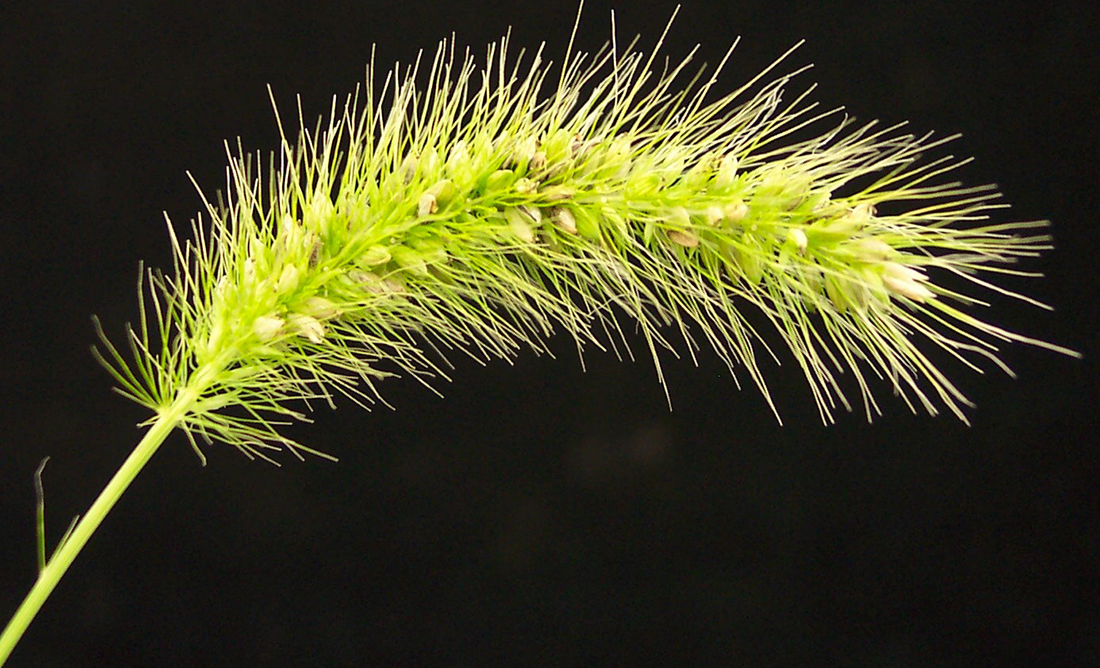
(481, 208)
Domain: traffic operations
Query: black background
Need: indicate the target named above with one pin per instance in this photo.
(539, 515)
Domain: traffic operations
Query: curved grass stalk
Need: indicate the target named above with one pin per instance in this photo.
(478, 214)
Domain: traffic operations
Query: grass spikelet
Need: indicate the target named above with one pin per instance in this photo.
(458, 208)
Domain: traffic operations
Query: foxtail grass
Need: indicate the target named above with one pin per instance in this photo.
(451, 209)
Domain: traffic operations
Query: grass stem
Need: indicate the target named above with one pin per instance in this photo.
(159, 429)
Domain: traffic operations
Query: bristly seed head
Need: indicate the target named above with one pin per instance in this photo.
(479, 213)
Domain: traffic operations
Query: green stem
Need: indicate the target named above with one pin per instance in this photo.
(165, 422)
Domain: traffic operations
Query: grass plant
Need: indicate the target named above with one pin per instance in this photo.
(455, 209)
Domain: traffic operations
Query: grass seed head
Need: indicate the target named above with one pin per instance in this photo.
(480, 209)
